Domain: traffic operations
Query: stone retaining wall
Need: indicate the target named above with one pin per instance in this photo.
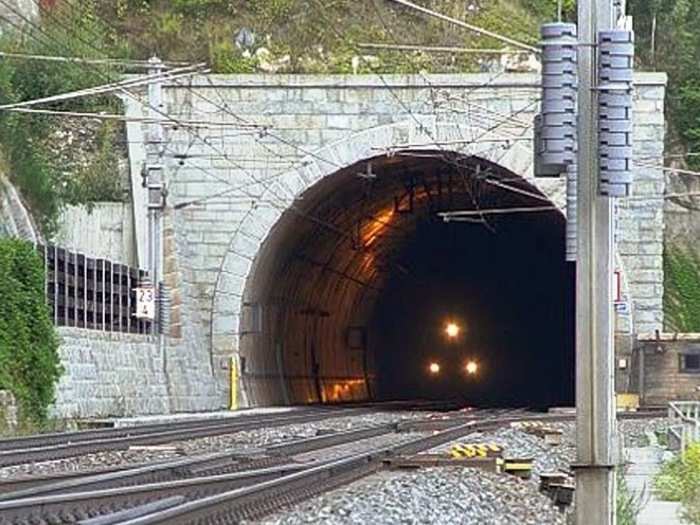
(109, 374)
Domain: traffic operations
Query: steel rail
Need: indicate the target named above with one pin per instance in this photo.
(57, 438)
(122, 442)
(260, 491)
(219, 463)
(73, 507)
(260, 499)
(72, 501)
(266, 497)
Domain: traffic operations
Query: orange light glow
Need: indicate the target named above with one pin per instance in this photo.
(346, 390)
(375, 226)
(472, 367)
(452, 330)
(434, 368)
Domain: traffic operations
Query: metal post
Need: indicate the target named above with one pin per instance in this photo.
(55, 286)
(104, 297)
(595, 411)
(642, 375)
(74, 258)
(128, 299)
(154, 171)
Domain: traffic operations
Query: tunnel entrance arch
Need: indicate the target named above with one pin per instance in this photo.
(292, 345)
(348, 293)
(276, 289)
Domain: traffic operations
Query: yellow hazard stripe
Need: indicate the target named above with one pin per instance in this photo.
(517, 466)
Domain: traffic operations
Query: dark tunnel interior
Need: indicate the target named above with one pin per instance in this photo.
(507, 290)
(351, 293)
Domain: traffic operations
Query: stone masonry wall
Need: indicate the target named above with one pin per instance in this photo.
(640, 232)
(230, 183)
(109, 374)
(188, 361)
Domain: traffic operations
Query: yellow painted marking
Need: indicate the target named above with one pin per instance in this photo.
(234, 385)
(518, 466)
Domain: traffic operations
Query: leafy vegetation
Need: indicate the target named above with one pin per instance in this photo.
(668, 39)
(29, 141)
(316, 36)
(679, 480)
(29, 364)
(627, 504)
(682, 290)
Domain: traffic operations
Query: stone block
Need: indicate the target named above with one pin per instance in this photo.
(314, 95)
(344, 122)
(237, 265)
(654, 133)
(651, 92)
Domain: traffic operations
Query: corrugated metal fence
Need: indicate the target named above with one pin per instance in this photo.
(92, 293)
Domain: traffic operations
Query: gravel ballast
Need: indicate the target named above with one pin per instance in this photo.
(238, 442)
(435, 495)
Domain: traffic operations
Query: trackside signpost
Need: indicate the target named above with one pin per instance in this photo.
(145, 302)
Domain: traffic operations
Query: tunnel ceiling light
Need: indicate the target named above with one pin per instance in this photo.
(434, 368)
(472, 367)
(452, 330)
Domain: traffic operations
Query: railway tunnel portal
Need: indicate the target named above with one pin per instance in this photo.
(289, 255)
(351, 291)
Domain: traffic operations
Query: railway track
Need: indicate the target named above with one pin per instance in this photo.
(225, 488)
(64, 445)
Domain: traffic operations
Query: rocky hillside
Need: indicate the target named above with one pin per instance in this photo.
(315, 35)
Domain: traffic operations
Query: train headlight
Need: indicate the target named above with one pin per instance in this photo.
(452, 330)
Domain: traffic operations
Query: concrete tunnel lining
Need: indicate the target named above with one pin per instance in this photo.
(310, 300)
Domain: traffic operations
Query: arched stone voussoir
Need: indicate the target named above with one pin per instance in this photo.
(514, 155)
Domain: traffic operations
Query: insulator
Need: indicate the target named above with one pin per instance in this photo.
(555, 130)
(615, 125)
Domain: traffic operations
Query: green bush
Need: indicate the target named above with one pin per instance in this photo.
(29, 363)
(682, 290)
(679, 480)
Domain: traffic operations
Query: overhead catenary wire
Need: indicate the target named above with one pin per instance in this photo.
(474, 138)
(227, 157)
(448, 216)
(125, 118)
(138, 99)
(224, 108)
(107, 88)
(256, 181)
(440, 49)
(465, 25)
(93, 61)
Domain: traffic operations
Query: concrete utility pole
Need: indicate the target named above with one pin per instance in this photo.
(154, 170)
(595, 409)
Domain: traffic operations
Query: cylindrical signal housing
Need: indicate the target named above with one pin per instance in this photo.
(615, 83)
(555, 127)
